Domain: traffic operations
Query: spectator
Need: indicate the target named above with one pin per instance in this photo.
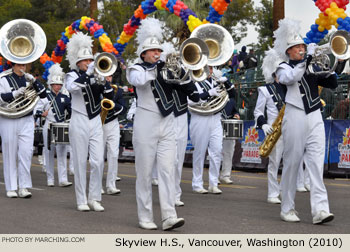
(250, 63)
(341, 111)
(235, 61)
(242, 54)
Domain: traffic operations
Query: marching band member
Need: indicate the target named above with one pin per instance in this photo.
(271, 98)
(53, 108)
(130, 116)
(206, 133)
(85, 129)
(111, 138)
(308, 138)
(17, 134)
(228, 145)
(69, 149)
(153, 136)
(180, 93)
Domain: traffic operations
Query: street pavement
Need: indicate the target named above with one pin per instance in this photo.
(240, 209)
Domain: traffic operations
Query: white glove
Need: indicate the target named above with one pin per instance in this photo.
(222, 79)
(213, 92)
(19, 92)
(311, 49)
(100, 79)
(91, 68)
(29, 77)
(267, 129)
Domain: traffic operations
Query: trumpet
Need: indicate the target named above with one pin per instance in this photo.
(105, 65)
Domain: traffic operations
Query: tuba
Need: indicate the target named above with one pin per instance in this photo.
(21, 41)
(220, 44)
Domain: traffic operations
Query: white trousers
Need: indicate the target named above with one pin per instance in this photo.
(71, 166)
(181, 132)
(206, 133)
(303, 177)
(86, 137)
(111, 138)
(303, 136)
(17, 137)
(273, 187)
(228, 149)
(154, 140)
(61, 151)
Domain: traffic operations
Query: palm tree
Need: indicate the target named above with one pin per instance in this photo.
(278, 12)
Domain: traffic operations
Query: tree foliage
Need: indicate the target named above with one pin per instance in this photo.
(264, 25)
(55, 15)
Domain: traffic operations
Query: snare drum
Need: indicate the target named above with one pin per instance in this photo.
(58, 133)
(126, 137)
(233, 129)
(38, 137)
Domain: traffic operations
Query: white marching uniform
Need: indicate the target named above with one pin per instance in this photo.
(228, 145)
(17, 137)
(153, 141)
(303, 134)
(61, 149)
(86, 138)
(275, 157)
(206, 133)
(130, 116)
(69, 149)
(181, 135)
(228, 150)
(111, 137)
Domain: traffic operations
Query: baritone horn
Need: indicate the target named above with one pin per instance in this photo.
(192, 56)
(338, 46)
(21, 41)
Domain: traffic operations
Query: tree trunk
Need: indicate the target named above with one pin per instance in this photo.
(278, 12)
(93, 8)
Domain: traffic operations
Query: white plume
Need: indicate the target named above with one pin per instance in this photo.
(77, 41)
(286, 29)
(270, 64)
(55, 70)
(167, 48)
(150, 27)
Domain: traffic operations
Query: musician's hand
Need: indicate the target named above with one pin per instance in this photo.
(213, 92)
(311, 49)
(45, 113)
(91, 68)
(29, 77)
(222, 79)
(18, 92)
(108, 78)
(100, 79)
(267, 129)
(160, 65)
(236, 116)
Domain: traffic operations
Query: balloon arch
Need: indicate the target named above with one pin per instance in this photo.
(177, 7)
